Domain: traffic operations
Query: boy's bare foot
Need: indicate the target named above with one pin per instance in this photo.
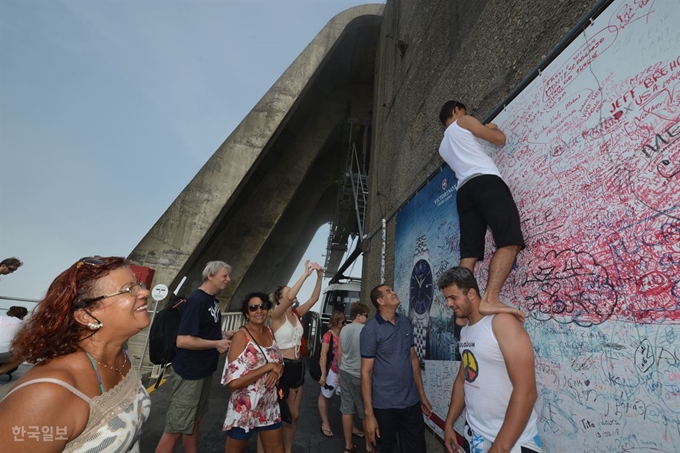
(487, 307)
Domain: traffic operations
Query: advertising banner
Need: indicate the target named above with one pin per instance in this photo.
(427, 238)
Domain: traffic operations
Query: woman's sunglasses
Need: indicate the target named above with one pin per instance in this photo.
(264, 306)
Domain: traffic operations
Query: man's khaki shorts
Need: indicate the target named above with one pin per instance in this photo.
(188, 403)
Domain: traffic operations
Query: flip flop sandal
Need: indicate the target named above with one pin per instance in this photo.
(327, 432)
(347, 450)
(359, 434)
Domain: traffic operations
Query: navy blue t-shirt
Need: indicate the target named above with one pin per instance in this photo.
(200, 318)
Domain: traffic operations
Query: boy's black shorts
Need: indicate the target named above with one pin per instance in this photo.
(486, 201)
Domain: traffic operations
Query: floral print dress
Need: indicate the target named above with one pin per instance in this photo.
(254, 405)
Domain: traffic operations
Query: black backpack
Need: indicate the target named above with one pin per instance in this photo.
(163, 333)
(315, 360)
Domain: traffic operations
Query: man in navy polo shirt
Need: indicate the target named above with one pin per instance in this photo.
(391, 383)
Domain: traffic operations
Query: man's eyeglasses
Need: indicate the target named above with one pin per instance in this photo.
(264, 306)
(134, 291)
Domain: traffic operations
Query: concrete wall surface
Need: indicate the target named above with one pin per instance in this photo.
(593, 162)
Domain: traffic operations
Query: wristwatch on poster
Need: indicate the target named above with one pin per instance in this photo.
(421, 292)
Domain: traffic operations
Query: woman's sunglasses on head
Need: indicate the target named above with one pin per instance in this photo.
(91, 261)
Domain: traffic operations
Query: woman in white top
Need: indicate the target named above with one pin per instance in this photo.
(288, 332)
(82, 394)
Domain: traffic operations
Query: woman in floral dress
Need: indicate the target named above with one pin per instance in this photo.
(254, 367)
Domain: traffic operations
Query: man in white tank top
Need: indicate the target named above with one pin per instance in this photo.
(496, 381)
(483, 200)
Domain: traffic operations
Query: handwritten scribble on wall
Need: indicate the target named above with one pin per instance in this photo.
(593, 158)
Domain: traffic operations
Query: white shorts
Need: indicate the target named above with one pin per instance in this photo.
(331, 385)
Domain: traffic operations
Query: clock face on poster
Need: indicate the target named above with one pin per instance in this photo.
(421, 287)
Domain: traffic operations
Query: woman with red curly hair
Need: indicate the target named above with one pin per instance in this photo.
(83, 394)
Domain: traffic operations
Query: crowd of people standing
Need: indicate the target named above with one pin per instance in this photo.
(77, 333)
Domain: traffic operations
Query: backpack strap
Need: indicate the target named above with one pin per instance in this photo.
(160, 376)
(331, 352)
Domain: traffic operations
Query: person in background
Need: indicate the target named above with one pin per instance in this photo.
(9, 265)
(391, 383)
(329, 372)
(254, 367)
(496, 381)
(351, 401)
(288, 331)
(200, 341)
(9, 326)
(82, 394)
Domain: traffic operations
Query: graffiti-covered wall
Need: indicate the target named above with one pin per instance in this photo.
(593, 160)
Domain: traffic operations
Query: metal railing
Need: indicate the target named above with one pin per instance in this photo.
(28, 303)
(232, 320)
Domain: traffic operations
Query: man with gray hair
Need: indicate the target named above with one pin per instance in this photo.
(200, 341)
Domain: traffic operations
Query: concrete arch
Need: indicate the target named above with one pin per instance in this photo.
(273, 180)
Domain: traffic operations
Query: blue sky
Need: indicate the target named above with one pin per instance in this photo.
(109, 108)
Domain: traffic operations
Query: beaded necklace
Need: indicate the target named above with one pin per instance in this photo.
(96, 370)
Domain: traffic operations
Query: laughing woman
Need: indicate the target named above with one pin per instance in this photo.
(255, 365)
(82, 394)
